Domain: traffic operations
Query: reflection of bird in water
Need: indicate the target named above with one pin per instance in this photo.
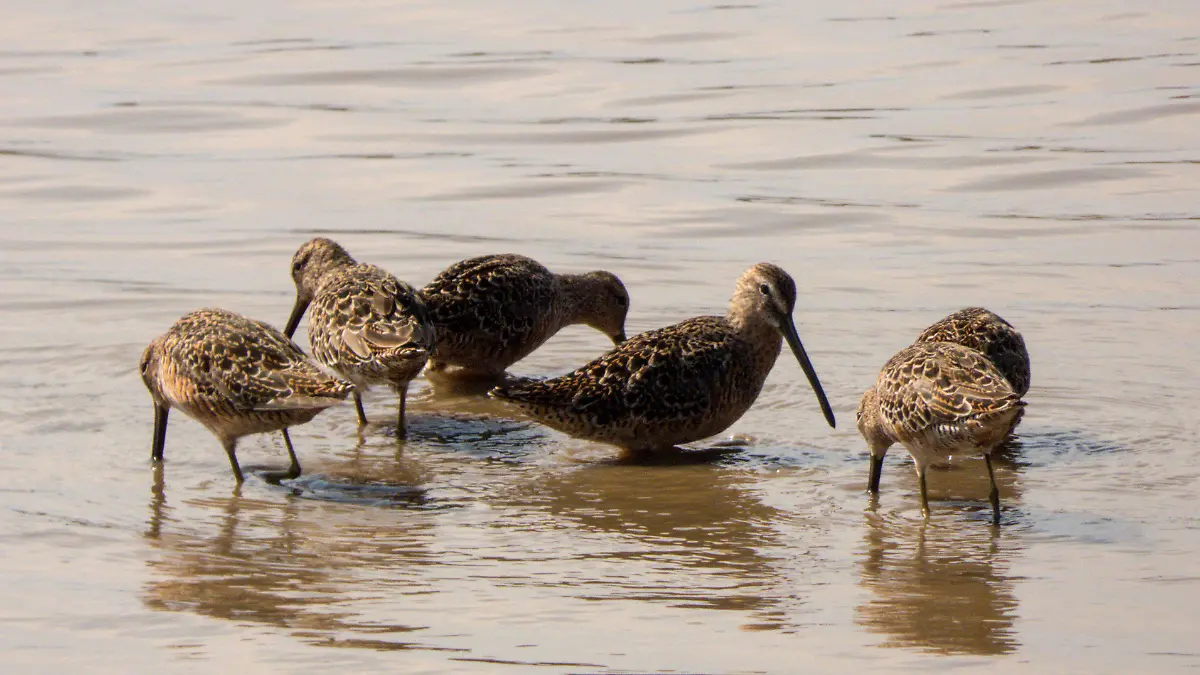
(688, 535)
(985, 332)
(283, 563)
(938, 399)
(677, 384)
(237, 377)
(943, 589)
(365, 324)
(492, 311)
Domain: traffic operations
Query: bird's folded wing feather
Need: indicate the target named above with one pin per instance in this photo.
(920, 389)
(667, 373)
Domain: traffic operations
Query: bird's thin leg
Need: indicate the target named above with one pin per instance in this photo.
(994, 493)
(358, 406)
(230, 447)
(294, 469)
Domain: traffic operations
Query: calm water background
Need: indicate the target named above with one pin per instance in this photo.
(900, 159)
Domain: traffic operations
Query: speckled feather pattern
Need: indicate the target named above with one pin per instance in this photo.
(938, 398)
(492, 311)
(660, 388)
(369, 326)
(668, 386)
(236, 376)
(987, 333)
(363, 322)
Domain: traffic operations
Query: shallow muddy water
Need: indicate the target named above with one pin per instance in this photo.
(901, 160)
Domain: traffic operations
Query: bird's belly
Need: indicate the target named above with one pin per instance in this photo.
(236, 423)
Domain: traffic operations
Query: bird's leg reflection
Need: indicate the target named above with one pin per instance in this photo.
(873, 502)
(158, 503)
(939, 586)
(227, 535)
(246, 561)
(687, 534)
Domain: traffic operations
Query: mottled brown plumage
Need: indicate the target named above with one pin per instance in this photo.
(494, 310)
(938, 399)
(680, 383)
(990, 335)
(236, 376)
(364, 323)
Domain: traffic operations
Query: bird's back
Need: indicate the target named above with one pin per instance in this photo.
(987, 333)
(662, 387)
(943, 395)
(220, 366)
(490, 311)
(369, 325)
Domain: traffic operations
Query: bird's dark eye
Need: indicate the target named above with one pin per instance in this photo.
(858, 415)
(622, 301)
(764, 289)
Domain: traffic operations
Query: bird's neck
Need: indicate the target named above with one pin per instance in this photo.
(576, 297)
(754, 327)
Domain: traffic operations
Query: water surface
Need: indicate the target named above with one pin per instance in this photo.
(900, 160)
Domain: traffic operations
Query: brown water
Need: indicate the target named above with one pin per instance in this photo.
(901, 160)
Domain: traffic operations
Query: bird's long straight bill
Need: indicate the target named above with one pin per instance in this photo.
(160, 432)
(297, 312)
(876, 472)
(793, 340)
